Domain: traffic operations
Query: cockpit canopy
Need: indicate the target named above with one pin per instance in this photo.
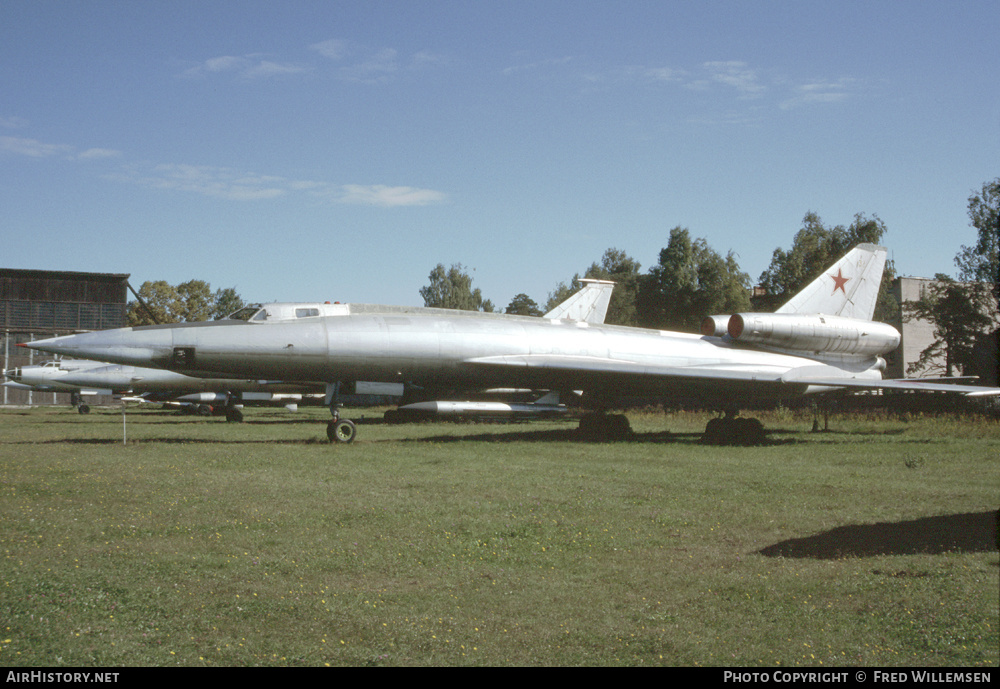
(285, 311)
(247, 313)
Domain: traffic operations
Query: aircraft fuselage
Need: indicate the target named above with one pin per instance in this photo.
(451, 349)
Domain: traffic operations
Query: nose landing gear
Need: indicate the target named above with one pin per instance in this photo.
(338, 430)
(341, 430)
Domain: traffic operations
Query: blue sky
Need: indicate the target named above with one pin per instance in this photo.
(331, 150)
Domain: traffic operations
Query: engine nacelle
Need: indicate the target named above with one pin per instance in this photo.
(815, 334)
(715, 326)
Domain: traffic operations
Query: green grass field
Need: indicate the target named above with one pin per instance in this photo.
(205, 543)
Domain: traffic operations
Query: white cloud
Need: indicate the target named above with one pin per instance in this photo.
(333, 48)
(233, 185)
(227, 183)
(32, 147)
(218, 182)
(736, 74)
(380, 195)
(376, 67)
(247, 67)
(425, 58)
(13, 122)
(665, 74)
(97, 153)
(367, 66)
(266, 68)
(355, 63)
(225, 63)
(819, 92)
(38, 149)
(539, 65)
(751, 83)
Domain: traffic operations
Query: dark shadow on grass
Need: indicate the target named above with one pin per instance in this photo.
(774, 436)
(575, 436)
(974, 532)
(571, 435)
(833, 432)
(293, 420)
(318, 440)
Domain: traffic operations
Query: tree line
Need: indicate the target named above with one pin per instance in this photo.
(692, 280)
(160, 302)
(964, 310)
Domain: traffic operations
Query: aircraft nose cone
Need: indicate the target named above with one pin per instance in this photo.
(12, 373)
(134, 346)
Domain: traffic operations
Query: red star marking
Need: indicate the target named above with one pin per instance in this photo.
(839, 281)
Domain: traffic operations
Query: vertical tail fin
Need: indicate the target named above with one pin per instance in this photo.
(590, 304)
(849, 288)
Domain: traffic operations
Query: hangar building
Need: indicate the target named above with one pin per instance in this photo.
(35, 304)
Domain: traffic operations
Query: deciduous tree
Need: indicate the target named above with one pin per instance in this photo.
(189, 301)
(226, 302)
(814, 249)
(451, 288)
(964, 311)
(160, 298)
(691, 281)
(523, 305)
(960, 313)
(623, 270)
(980, 263)
(194, 301)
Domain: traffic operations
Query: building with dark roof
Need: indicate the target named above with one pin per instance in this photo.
(36, 304)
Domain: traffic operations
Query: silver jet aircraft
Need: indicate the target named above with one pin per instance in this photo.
(822, 339)
(79, 377)
(48, 377)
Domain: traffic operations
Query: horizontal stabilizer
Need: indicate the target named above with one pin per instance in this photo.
(902, 384)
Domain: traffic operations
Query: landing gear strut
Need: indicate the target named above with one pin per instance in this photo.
(233, 413)
(338, 430)
(77, 401)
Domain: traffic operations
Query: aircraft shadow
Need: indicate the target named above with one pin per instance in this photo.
(573, 434)
(559, 435)
(974, 532)
(318, 440)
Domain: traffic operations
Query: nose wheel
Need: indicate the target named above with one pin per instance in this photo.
(341, 431)
(338, 430)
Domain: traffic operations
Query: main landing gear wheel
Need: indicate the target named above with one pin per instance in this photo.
(732, 430)
(341, 431)
(234, 415)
